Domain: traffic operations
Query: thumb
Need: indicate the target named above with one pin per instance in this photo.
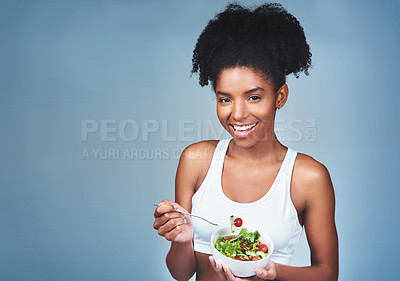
(182, 211)
(178, 207)
(261, 273)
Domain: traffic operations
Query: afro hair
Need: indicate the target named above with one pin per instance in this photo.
(267, 39)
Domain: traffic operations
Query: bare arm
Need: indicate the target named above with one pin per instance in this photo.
(181, 261)
(175, 227)
(319, 221)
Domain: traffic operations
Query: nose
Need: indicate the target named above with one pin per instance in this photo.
(239, 111)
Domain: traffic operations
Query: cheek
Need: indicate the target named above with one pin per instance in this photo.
(222, 113)
(264, 112)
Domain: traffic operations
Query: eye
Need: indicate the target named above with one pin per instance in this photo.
(224, 100)
(254, 98)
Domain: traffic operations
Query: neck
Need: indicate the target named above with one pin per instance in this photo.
(267, 150)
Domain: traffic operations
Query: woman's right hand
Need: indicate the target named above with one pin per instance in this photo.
(174, 226)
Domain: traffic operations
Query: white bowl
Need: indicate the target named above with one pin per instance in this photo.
(240, 268)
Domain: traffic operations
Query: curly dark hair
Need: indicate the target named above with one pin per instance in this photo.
(268, 39)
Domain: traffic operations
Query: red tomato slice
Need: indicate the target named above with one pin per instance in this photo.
(263, 248)
(238, 222)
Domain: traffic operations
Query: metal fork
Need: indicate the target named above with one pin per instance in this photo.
(189, 214)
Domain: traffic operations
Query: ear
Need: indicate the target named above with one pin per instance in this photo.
(281, 96)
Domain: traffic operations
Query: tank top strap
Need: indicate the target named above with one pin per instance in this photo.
(219, 154)
(287, 169)
(217, 161)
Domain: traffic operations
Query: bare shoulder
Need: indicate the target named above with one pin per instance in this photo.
(195, 161)
(202, 151)
(309, 169)
(311, 178)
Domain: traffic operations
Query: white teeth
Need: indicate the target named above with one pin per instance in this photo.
(243, 128)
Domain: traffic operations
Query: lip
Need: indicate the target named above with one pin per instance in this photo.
(243, 133)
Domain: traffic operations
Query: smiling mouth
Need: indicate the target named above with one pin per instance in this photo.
(244, 128)
(243, 131)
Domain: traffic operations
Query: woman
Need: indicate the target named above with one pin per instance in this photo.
(246, 55)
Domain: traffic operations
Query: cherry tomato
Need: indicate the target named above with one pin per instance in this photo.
(254, 258)
(238, 222)
(263, 248)
(239, 259)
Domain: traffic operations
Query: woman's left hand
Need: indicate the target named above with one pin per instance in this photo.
(225, 273)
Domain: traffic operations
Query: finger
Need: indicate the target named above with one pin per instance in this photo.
(261, 273)
(162, 220)
(174, 233)
(159, 221)
(229, 274)
(178, 207)
(164, 207)
(171, 224)
(212, 262)
(218, 268)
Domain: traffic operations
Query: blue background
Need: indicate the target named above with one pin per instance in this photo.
(64, 216)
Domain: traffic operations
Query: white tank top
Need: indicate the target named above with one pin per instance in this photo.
(273, 214)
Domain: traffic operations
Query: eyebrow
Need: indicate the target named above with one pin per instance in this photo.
(247, 92)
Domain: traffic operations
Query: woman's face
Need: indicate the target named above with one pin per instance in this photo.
(246, 105)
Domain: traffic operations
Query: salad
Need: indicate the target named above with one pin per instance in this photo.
(245, 246)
